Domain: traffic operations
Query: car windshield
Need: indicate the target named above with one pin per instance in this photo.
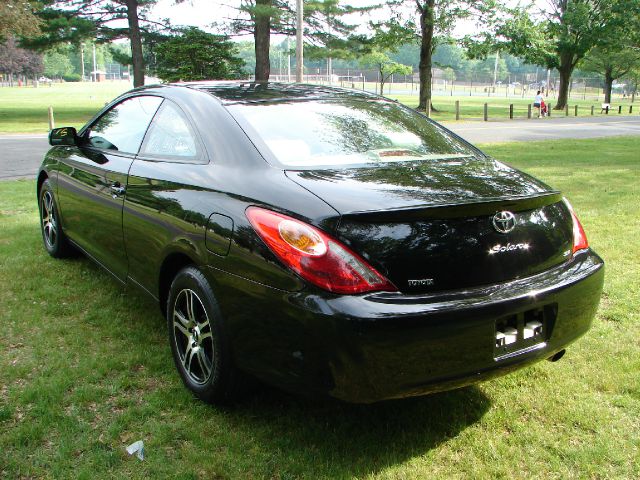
(340, 132)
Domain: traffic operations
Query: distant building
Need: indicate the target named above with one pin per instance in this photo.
(98, 75)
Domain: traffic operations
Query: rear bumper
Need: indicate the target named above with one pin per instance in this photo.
(388, 345)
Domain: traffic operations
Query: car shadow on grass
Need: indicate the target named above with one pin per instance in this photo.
(326, 438)
(329, 438)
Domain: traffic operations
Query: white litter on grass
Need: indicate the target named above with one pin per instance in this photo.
(136, 448)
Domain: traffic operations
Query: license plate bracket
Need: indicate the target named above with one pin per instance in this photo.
(523, 331)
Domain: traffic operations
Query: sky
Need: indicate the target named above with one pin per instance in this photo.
(202, 13)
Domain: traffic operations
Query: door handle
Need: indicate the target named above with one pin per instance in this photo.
(117, 190)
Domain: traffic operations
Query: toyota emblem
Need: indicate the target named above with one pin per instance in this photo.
(504, 221)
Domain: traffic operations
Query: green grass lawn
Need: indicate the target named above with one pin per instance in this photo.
(85, 369)
(24, 109)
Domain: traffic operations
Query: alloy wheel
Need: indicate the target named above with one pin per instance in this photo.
(193, 336)
(49, 223)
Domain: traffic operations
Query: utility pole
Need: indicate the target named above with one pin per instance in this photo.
(299, 41)
(495, 70)
(288, 61)
(95, 65)
(82, 59)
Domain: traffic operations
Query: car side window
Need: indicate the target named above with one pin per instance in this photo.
(170, 137)
(122, 128)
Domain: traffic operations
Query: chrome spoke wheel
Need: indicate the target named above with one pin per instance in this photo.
(193, 336)
(48, 216)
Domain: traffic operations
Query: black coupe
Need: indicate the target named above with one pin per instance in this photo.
(323, 240)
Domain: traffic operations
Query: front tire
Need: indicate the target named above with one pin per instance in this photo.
(198, 339)
(54, 239)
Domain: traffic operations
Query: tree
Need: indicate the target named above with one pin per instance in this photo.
(18, 61)
(197, 55)
(57, 63)
(612, 65)
(618, 53)
(633, 77)
(385, 66)
(17, 18)
(563, 34)
(77, 20)
(260, 18)
(436, 20)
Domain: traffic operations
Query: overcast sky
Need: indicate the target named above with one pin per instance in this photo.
(202, 13)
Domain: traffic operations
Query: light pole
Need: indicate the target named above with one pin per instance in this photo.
(299, 40)
(82, 59)
(95, 65)
(288, 61)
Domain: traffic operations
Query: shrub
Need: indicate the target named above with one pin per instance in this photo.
(72, 77)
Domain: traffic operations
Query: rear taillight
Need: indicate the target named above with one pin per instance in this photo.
(315, 256)
(579, 237)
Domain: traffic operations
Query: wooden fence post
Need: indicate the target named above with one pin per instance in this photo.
(566, 110)
(529, 111)
(591, 109)
(619, 108)
(549, 108)
(630, 108)
(511, 111)
(486, 112)
(52, 124)
(576, 111)
(457, 109)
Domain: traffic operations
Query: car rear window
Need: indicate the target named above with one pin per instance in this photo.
(341, 132)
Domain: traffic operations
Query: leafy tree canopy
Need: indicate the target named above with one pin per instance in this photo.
(385, 66)
(17, 17)
(562, 34)
(197, 55)
(18, 61)
(76, 20)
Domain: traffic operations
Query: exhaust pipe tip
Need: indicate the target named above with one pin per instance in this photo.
(557, 356)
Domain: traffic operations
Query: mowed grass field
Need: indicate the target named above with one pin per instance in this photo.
(24, 109)
(85, 370)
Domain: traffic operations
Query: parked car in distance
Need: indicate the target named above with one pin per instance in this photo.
(322, 240)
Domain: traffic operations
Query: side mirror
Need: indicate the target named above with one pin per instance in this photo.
(63, 136)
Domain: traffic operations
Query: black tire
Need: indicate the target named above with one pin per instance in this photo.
(198, 339)
(54, 239)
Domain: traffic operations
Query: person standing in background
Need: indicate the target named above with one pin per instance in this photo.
(537, 102)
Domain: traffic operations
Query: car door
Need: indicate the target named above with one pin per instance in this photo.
(166, 202)
(93, 180)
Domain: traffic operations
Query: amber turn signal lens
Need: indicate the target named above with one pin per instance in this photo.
(302, 238)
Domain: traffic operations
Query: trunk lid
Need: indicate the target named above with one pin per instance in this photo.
(431, 226)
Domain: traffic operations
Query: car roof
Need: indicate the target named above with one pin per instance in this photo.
(252, 92)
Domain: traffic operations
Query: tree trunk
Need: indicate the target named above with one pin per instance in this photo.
(426, 49)
(137, 60)
(262, 36)
(608, 84)
(565, 70)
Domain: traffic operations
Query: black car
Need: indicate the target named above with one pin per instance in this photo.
(323, 240)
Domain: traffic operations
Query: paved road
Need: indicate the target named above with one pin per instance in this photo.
(545, 129)
(20, 155)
